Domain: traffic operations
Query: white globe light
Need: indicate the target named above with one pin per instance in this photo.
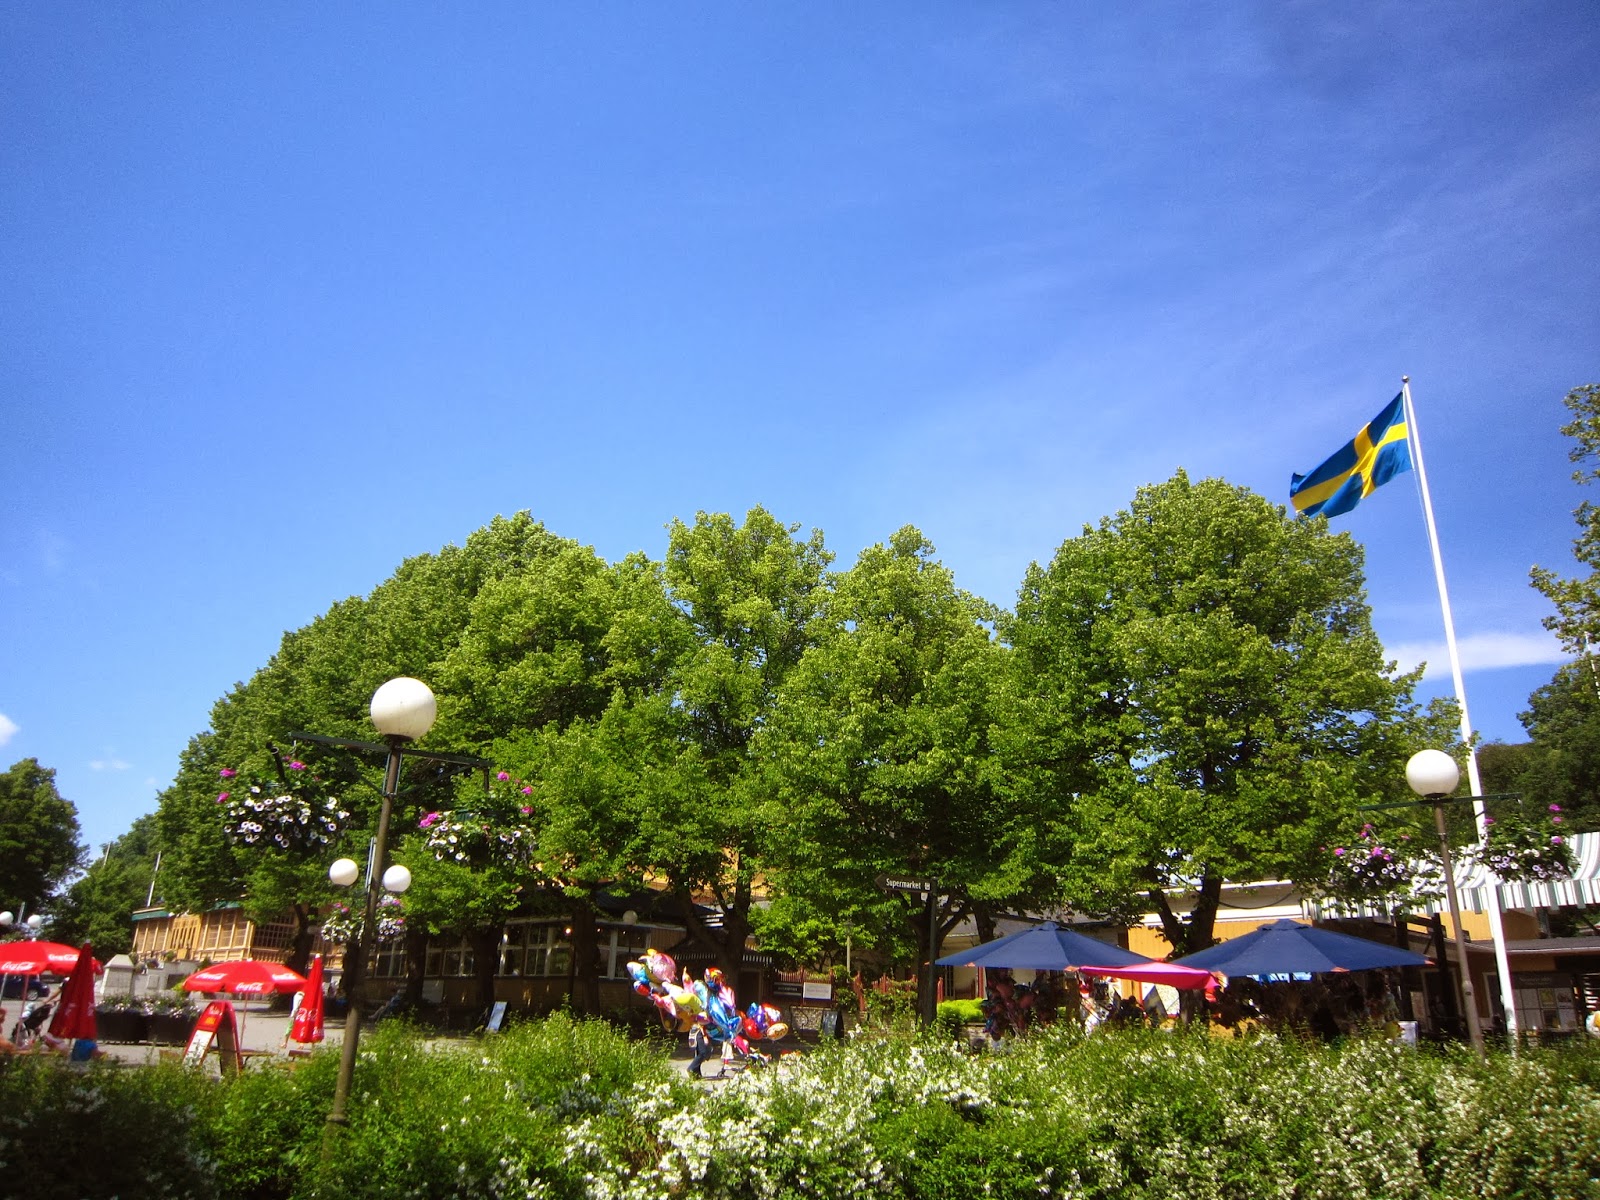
(397, 878)
(343, 872)
(404, 708)
(35, 922)
(1432, 773)
(630, 917)
(7, 918)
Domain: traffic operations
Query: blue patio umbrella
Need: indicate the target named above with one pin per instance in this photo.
(1290, 948)
(1045, 947)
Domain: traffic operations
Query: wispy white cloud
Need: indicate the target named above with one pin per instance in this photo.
(109, 764)
(8, 728)
(1482, 652)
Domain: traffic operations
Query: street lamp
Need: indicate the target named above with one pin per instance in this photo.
(402, 711)
(1433, 775)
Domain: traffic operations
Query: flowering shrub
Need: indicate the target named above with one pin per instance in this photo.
(294, 813)
(568, 1109)
(498, 831)
(1372, 871)
(1526, 849)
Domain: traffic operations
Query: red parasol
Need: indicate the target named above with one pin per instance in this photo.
(74, 1015)
(1156, 972)
(38, 958)
(246, 977)
(307, 1023)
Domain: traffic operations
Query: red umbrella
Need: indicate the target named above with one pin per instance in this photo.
(1156, 972)
(74, 1016)
(246, 977)
(38, 958)
(307, 1023)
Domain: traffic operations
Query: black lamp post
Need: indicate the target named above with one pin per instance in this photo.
(402, 711)
(1433, 775)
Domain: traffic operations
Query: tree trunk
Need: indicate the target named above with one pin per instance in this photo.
(305, 940)
(486, 961)
(416, 941)
(584, 990)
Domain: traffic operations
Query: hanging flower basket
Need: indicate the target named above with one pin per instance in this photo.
(297, 812)
(1526, 850)
(1378, 873)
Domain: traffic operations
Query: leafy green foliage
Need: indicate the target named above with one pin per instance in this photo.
(563, 1108)
(99, 905)
(1577, 601)
(39, 844)
(1200, 692)
(879, 752)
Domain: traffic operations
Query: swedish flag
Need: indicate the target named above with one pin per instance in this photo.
(1374, 456)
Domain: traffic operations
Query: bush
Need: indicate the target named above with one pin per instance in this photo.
(568, 1108)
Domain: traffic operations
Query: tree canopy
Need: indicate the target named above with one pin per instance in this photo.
(39, 845)
(1201, 693)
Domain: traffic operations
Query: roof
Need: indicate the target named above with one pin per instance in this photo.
(1559, 947)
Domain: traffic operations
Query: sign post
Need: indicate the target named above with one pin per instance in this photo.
(928, 891)
(216, 1029)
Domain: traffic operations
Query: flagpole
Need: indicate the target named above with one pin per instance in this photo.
(1475, 781)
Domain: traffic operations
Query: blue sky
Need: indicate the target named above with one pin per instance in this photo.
(292, 294)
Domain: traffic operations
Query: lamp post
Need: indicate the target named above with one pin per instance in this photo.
(402, 711)
(1433, 775)
(30, 927)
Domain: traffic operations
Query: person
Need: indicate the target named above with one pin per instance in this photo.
(84, 1049)
(701, 1046)
(7, 1046)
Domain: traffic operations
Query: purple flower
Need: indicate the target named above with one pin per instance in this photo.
(501, 776)
(1377, 852)
(1555, 820)
(526, 810)
(527, 791)
(428, 820)
(222, 797)
(1339, 851)
(1555, 841)
(227, 772)
(297, 766)
(1488, 820)
(1555, 808)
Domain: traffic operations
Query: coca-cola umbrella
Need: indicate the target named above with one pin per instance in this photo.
(306, 1025)
(245, 977)
(74, 1015)
(38, 958)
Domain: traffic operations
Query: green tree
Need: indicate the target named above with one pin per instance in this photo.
(98, 907)
(322, 680)
(745, 602)
(1577, 601)
(39, 845)
(882, 765)
(1203, 697)
(1560, 764)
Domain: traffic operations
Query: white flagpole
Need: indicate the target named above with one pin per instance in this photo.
(1480, 814)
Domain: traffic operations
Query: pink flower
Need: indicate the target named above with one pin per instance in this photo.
(527, 791)
(502, 776)
(1339, 850)
(1555, 820)
(227, 772)
(428, 820)
(297, 766)
(1377, 852)
(222, 797)
(1555, 808)
(1555, 841)
(1488, 820)
(526, 810)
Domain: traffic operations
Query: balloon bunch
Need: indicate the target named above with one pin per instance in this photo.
(684, 1002)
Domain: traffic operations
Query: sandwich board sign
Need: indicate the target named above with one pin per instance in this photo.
(216, 1029)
